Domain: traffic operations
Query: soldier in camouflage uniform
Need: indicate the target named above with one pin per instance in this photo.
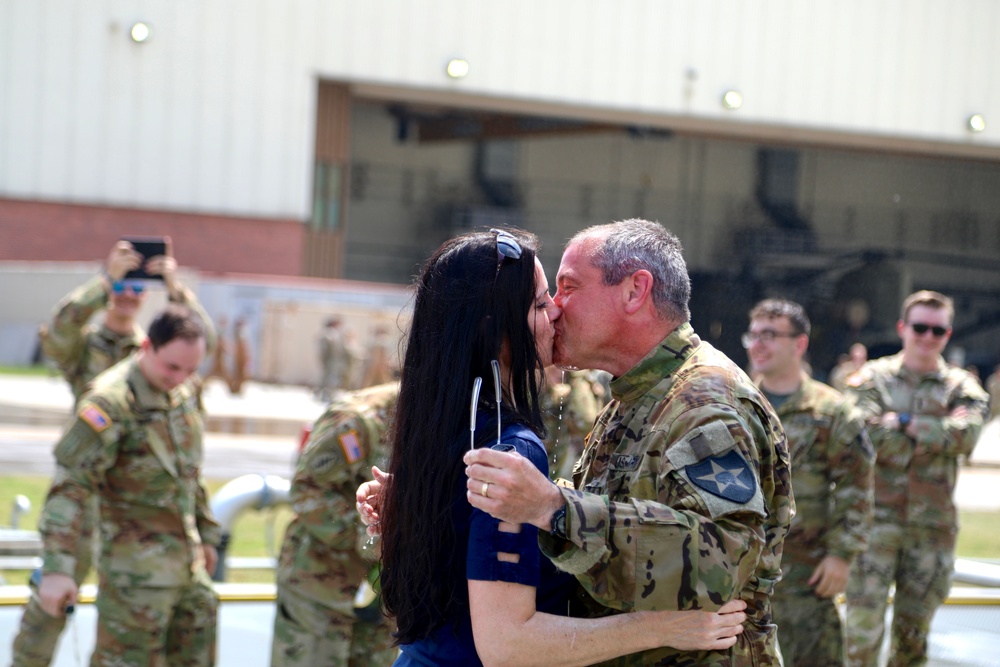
(322, 618)
(832, 460)
(82, 351)
(569, 407)
(922, 415)
(136, 443)
(683, 494)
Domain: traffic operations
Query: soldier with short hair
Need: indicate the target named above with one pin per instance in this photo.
(136, 444)
(328, 613)
(82, 351)
(832, 461)
(922, 415)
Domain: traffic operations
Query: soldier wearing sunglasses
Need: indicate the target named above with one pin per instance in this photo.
(922, 415)
(82, 351)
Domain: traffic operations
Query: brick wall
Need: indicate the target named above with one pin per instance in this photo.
(45, 231)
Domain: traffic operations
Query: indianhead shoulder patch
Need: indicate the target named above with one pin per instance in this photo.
(726, 476)
(349, 442)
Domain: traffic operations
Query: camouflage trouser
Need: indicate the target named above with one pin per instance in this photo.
(36, 640)
(920, 562)
(810, 631)
(156, 626)
(307, 634)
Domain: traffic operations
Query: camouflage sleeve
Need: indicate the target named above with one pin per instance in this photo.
(186, 297)
(63, 340)
(851, 461)
(870, 399)
(208, 528)
(83, 454)
(955, 436)
(687, 549)
(323, 487)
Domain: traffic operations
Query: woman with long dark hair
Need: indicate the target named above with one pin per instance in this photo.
(455, 580)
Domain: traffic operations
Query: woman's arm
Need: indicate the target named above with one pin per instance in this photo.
(509, 631)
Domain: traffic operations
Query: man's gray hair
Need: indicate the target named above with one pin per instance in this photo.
(630, 245)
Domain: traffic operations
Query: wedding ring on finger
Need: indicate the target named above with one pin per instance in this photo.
(486, 489)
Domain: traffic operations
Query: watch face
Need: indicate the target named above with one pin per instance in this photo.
(558, 528)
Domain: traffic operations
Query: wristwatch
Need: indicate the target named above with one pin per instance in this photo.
(557, 527)
(904, 420)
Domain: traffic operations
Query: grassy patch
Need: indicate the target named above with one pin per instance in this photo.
(978, 536)
(259, 534)
(254, 535)
(37, 370)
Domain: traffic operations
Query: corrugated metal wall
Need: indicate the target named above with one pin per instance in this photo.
(216, 111)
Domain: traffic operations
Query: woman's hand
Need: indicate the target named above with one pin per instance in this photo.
(368, 499)
(700, 630)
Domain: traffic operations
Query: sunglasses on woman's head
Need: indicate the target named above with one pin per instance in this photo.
(507, 247)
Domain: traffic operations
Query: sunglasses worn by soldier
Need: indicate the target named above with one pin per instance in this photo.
(920, 329)
(134, 286)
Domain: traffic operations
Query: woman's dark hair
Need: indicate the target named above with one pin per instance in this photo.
(464, 310)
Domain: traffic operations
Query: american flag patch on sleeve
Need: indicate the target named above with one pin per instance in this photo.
(352, 446)
(96, 417)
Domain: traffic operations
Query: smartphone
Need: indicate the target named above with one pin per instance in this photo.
(147, 246)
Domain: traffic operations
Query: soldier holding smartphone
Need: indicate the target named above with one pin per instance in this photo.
(82, 351)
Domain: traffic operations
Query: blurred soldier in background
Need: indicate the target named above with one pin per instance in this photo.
(993, 388)
(569, 408)
(136, 444)
(324, 617)
(333, 358)
(922, 415)
(832, 460)
(856, 358)
(82, 351)
(378, 370)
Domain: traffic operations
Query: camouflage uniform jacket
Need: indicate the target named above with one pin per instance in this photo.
(832, 461)
(140, 450)
(83, 351)
(683, 496)
(915, 480)
(323, 556)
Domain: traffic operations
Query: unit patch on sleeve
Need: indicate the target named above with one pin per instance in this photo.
(727, 476)
(353, 451)
(95, 417)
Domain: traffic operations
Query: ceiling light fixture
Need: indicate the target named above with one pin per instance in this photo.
(457, 68)
(139, 32)
(976, 123)
(732, 100)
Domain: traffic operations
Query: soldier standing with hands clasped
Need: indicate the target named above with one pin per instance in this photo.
(82, 351)
(922, 415)
(832, 460)
(136, 444)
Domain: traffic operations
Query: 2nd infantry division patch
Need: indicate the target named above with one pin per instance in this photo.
(727, 476)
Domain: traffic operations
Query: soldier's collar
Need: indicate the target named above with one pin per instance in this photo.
(661, 362)
(135, 336)
(146, 396)
(938, 373)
